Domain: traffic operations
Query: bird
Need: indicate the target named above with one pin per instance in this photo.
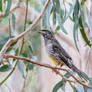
(57, 54)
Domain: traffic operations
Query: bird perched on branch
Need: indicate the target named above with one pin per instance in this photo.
(57, 54)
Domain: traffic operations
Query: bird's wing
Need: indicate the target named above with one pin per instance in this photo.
(66, 58)
(57, 48)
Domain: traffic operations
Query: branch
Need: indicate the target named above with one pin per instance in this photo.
(48, 66)
(12, 40)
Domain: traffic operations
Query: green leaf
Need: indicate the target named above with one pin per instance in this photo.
(45, 20)
(1, 5)
(61, 13)
(29, 22)
(30, 48)
(56, 9)
(5, 68)
(8, 8)
(58, 85)
(56, 5)
(3, 41)
(90, 24)
(48, 15)
(54, 18)
(82, 16)
(67, 75)
(5, 21)
(30, 66)
(71, 18)
(68, 14)
(11, 46)
(75, 34)
(90, 83)
(21, 68)
(76, 11)
(75, 18)
(83, 32)
(82, 2)
(60, 23)
(57, 28)
(13, 21)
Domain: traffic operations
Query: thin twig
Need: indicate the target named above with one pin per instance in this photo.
(9, 28)
(85, 89)
(22, 44)
(46, 66)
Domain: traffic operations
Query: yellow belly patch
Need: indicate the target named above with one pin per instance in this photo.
(53, 61)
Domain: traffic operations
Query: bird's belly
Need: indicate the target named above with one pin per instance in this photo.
(53, 61)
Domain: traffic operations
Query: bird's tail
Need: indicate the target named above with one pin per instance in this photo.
(75, 69)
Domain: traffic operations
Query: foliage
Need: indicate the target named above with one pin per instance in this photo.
(30, 45)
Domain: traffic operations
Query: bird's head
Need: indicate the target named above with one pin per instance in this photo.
(46, 34)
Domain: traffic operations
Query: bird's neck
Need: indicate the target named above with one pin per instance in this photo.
(47, 41)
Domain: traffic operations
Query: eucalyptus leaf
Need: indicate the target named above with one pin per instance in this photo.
(5, 21)
(61, 13)
(8, 8)
(75, 28)
(54, 18)
(60, 23)
(83, 32)
(57, 28)
(11, 46)
(5, 68)
(30, 48)
(3, 41)
(56, 9)
(90, 83)
(75, 18)
(56, 5)
(67, 75)
(83, 2)
(29, 22)
(30, 66)
(48, 15)
(45, 20)
(1, 5)
(58, 85)
(90, 24)
(68, 14)
(82, 16)
(13, 21)
(21, 68)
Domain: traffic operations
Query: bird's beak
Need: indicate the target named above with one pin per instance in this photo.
(41, 32)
